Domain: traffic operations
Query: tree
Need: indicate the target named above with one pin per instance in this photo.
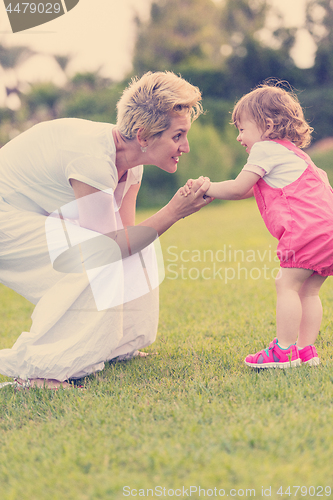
(319, 22)
(179, 34)
(216, 45)
(246, 20)
(10, 58)
(243, 18)
(42, 101)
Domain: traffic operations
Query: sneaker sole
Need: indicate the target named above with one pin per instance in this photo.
(312, 362)
(287, 364)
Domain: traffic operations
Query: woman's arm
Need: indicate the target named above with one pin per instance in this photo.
(179, 207)
(97, 212)
(96, 208)
(128, 206)
(237, 189)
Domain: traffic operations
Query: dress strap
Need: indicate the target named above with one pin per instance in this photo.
(292, 147)
(301, 154)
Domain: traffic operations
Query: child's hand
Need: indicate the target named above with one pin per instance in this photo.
(186, 189)
(189, 200)
(195, 184)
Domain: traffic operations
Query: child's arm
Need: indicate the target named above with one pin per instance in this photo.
(237, 189)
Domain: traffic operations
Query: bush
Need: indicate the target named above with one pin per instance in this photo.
(324, 160)
(318, 107)
(96, 106)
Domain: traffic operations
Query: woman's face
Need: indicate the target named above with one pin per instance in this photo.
(165, 151)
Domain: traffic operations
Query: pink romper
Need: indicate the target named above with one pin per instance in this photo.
(300, 216)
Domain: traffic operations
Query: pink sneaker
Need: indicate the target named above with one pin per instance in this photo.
(309, 355)
(274, 357)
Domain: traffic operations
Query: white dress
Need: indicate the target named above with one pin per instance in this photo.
(81, 319)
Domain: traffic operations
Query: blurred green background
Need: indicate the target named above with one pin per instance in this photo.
(224, 47)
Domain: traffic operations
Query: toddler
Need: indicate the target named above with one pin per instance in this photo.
(296, 202)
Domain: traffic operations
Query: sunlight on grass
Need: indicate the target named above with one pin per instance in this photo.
(194, 414)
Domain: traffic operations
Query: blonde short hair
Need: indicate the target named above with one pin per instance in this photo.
(270, 101)
(150, 102)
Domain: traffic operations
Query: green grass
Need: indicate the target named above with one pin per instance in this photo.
(193, 415)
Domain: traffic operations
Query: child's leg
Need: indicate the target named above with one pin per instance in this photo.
(298, 315)
(312, 311)
(289, 283)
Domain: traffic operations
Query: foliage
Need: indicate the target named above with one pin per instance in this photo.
(258, 64)
(244, 18)
(89, 81)
(179, 34)
(319, 22)
(193, 414)
(98, 106)
(43, 96)
(10, 56)
(318, 106)
(324, 160)
(176, 38)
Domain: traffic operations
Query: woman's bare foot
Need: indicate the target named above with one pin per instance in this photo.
(43, 383)
(48, 383)
(142, 354)
(132, 355)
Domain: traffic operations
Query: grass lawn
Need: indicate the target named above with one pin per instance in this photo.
(193, 415)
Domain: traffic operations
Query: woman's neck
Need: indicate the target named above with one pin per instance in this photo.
(127, 153)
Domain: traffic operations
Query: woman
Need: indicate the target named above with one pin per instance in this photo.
(67, 198)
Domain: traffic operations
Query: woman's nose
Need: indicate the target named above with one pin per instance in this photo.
(185, 147)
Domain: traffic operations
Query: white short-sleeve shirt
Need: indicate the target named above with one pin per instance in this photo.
(277, 165)
(36, 166)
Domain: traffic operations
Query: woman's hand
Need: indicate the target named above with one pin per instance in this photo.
(191, 197)
(180, 206)
(186, 189)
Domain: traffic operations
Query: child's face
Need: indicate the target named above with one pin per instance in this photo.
(249, 133)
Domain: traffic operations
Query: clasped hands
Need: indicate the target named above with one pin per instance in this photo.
(197, 187)
(192, 197)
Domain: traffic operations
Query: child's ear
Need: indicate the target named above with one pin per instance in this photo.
(269, 126)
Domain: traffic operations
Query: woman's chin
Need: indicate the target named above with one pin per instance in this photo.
(169, 169)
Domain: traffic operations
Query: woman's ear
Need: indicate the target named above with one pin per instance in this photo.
(140, 138)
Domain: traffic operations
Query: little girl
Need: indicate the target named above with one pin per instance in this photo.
(296, 202)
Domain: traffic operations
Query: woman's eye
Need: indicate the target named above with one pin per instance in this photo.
(177, 137)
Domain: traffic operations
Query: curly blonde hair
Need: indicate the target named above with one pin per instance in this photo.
(150, 103)
(270, 101)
